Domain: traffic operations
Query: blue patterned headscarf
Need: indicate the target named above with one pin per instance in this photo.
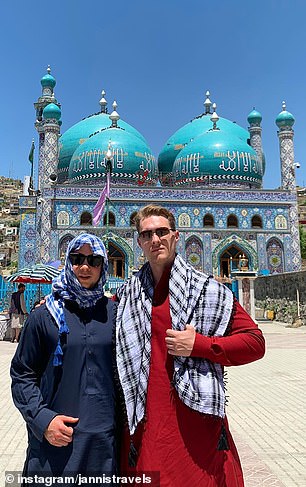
(67, 287)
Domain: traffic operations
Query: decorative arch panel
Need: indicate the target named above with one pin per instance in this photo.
(194, 252)
(275, 256)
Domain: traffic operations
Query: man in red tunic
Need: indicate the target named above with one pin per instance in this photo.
(176, 330)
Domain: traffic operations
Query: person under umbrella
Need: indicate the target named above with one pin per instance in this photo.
(18, 312)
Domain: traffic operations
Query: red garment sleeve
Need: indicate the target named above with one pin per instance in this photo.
(244, 344)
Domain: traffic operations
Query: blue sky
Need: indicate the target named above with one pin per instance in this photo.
(157, 59)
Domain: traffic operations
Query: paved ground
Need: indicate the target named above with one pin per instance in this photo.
(267, 407)
(266, 411)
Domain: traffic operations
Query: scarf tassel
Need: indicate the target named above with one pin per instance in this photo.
(223, 441)
(58, 355)
(133, 454)
(64, 328)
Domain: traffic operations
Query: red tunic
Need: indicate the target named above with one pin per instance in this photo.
(175, 440)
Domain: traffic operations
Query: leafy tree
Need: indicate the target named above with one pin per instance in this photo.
(303, 242)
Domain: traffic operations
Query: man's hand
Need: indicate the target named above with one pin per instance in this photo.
(180, 342)
(58, 433)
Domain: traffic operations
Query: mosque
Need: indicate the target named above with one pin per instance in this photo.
(209, 174)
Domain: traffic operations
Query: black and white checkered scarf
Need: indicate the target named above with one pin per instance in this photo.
(195, 298)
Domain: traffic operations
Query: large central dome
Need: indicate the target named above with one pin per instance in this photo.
(217, 157)
(82, 131)
(210, 150)
(132, 160)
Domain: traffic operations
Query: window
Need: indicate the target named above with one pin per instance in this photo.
(86, 218)
(232, 221)
(111, 219)
(132, 218)
(208, 220)
(256, 221)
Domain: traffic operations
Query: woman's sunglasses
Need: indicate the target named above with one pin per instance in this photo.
(79, 259)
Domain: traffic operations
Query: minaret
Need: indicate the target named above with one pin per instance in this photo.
(48, 123)
(254, 119)
(285, 121)
(48, 83)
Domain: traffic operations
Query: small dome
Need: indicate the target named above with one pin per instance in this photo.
(132, 159)
(284, 119)
(48, 80)
(254, 117)
(218, 158)
(52, 111)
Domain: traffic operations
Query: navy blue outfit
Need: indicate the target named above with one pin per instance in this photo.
(82, 387)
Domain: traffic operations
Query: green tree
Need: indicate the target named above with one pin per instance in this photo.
(303, 242)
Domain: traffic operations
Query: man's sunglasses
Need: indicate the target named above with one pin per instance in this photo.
(147, 235)
(79, 259)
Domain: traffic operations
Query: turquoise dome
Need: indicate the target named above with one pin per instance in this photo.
(133, 161)
(48, 81)
(52, 111)
(284, 119)
(218, 157)
(79, 133)
(254, 117)
(190, 132)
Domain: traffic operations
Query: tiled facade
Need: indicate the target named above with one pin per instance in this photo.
(217, 224)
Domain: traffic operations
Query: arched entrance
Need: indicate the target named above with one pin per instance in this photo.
(116, 261)
(229, 260)
(63, 245)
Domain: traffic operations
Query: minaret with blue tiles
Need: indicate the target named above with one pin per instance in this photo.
(254, 119)
(48, 123)
(285, 121)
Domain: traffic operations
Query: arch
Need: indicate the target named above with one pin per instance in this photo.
(86, 218)
(275, 255)
(281, 222)
(116, 261)
(245, 247)
(232, 221)
(256, 221)
(62, 218)
(208, 220)
(63, 245)
(132, 218)
(229, 259)
(124, 247)
(184, 220)
(194, 252)
(111, 219)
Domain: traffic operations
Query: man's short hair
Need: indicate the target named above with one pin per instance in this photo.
(154, 210)
(21, 285)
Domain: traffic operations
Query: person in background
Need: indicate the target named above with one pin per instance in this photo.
(176, 330)
(62, 375)
(18, 312)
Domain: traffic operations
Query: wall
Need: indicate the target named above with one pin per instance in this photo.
(278, 292)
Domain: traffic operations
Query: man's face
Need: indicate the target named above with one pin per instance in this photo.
(87, 276)
(159, 250)
(22, 289)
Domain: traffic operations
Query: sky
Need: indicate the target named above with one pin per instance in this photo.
(157, 59)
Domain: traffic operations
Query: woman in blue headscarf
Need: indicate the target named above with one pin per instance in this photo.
(62, 380)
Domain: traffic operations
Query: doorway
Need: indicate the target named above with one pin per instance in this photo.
(116, 261)
(229, 260)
